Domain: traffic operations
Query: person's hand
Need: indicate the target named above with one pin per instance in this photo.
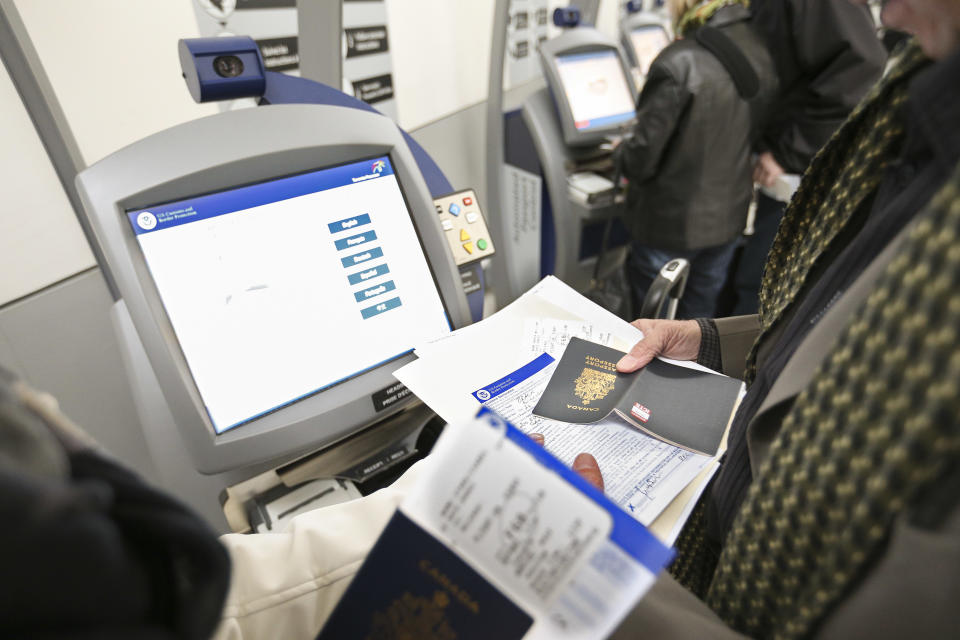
(584, 464)
(677, 339)
(766, 170)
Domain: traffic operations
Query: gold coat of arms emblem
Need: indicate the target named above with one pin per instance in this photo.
(594, 385)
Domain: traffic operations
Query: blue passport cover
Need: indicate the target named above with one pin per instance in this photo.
(412, 586)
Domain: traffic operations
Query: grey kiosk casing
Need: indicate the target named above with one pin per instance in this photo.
(217, 153)
(561, 150)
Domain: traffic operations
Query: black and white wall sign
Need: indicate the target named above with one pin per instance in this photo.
(374, 90)
(367, 63)
(280, 54)
(363, 41)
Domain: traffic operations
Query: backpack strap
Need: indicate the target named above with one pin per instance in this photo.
(731, 57)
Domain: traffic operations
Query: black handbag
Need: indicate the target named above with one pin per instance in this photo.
(610, 286)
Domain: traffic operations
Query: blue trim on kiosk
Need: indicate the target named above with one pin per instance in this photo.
(284, 89)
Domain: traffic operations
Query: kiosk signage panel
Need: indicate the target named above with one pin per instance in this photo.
(596, 89)
(280, 289)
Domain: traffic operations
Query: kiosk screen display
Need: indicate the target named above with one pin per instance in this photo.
(280, 289)
(647, 42)
(596, 89)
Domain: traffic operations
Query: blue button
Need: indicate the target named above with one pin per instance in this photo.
(349, 223)
(454, 209)
(379, 308)
(366, 274)
(358, 258)
(353, 241)
(374, 291)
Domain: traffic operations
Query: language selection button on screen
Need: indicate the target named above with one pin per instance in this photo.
(379, 308)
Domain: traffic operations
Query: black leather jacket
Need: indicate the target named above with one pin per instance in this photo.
(827, 57)
(688, 160)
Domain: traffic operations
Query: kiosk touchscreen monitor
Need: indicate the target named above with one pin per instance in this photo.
(646, 42)
(596, 89)
(280, 289)
(590, 84)
(277, 265)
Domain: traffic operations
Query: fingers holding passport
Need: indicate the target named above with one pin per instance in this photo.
(677, 339)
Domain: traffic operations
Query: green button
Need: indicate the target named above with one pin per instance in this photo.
(482, 244)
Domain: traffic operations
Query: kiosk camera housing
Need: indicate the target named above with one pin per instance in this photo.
(224, 68)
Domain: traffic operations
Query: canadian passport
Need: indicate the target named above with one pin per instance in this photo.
(684, 407)
(413, 586)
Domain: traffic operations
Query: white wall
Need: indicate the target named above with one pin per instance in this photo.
(113, 65)
(441, 56)
(40, 238)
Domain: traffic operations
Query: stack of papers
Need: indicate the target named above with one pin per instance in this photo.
(505, 363)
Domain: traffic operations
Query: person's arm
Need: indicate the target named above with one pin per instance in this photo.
(721, 344)
(840, 58)
(736, 336)
(659, 108)
(670, 612)
(285, 585)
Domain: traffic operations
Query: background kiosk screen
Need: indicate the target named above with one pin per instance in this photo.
(280, 289)
(596, 89)
(647, 42)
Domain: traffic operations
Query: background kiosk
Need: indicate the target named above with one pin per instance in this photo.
(567, 125)
(276, 265)
(643, 35)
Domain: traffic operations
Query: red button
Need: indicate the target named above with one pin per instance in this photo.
(467, 202)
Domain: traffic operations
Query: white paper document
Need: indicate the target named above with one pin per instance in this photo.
(564, 555)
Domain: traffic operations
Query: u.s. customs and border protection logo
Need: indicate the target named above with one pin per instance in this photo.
(593, 385)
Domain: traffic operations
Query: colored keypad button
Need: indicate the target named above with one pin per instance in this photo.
(472, 217)
(454, 209)
(467, 201)
(482, 244)
(446, 224)
(468, 247)
(464, 236)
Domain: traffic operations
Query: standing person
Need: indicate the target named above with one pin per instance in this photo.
(835, 513)
(827, 57)
(688, 159)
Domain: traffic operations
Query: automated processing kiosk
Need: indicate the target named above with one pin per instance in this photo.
(643, 35)
(588, 100)
(276, 265)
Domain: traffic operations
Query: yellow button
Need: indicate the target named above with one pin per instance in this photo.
(464, 236)
(468, 247)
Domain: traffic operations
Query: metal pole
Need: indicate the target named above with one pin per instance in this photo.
(23, 64)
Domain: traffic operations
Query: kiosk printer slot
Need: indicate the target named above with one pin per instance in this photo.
(276, 265)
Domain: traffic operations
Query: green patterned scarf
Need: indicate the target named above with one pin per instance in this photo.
(700, 14)
(873, 433)
(841, 177)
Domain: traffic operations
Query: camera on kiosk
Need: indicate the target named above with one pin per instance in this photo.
(222, 68)
(566, 17)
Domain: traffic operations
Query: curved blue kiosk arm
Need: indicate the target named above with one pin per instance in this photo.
(284, 89)
(207, 82)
